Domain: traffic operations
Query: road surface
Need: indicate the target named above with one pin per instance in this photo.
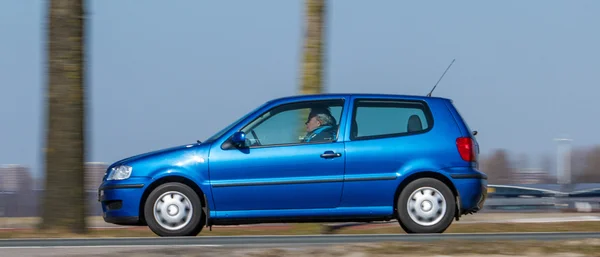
(91, 246)
(261, 240)
(493, 217)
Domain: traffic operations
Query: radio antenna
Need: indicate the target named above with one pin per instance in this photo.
(440, 78)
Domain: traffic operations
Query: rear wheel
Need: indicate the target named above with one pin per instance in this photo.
(426, 205)
(174, 209)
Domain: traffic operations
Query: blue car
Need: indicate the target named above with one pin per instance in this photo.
(309, 158)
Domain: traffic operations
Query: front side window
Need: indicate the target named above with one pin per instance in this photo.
(297, 123)
(385, 118)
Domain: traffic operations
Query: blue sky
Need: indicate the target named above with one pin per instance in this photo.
(163, 73)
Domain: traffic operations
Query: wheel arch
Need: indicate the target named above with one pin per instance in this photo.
(427, 174)
(179, 179)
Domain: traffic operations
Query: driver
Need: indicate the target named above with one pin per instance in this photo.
(320, 125)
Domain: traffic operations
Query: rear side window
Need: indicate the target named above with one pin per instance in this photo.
(389, 118)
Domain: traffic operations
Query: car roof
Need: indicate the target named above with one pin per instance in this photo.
(370, 95)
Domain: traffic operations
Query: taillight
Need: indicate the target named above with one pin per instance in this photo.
(466, 148)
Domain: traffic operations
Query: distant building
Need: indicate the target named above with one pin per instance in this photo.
(531, 176)
(15, 178)
(94, 171)
(16, 190)
(22, 196)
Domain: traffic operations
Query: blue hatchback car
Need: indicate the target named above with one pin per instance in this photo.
(309, 158)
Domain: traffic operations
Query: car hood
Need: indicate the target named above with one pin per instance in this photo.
(154, 153)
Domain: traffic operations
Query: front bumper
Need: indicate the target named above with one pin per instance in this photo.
(120, 200)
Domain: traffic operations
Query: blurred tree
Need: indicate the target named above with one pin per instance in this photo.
(312, 68)
(578, 164)
(64, 197)
(587, 165)
(498, 167)
(312, 61)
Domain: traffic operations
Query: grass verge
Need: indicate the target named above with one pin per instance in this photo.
(307, 229)
(462, 248)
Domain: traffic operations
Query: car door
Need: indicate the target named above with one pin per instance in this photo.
(276, 171)
(387, 137)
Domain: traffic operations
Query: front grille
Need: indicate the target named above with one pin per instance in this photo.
(114, 205)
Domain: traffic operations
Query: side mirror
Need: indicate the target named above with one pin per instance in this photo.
(238, 138)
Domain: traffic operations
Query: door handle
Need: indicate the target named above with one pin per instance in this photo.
(330, 154)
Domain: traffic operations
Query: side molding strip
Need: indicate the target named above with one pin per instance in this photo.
(121, 186)
(470, 175)
(280, 182)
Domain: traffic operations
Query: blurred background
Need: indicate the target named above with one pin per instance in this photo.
(165, 73)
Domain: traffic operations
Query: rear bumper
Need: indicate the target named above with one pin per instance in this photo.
(120, 201)
(471, 187)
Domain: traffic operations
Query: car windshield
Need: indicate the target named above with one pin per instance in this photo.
(223, 131)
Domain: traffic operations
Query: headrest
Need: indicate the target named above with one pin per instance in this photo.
(414, 124)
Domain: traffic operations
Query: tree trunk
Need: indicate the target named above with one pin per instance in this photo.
(64, 198)
(312, 68)
(312, 79)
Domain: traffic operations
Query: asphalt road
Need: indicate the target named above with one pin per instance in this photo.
(169, 246)
(7, 223)
(260, 241)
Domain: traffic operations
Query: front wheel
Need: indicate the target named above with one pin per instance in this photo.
(426, 205)
(174, 209)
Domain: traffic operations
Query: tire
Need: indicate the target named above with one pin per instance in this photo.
(170, 193)
(426, 190)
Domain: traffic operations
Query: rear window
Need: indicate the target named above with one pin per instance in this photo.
(389, 118)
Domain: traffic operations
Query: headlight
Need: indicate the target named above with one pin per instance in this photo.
(120, 173)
